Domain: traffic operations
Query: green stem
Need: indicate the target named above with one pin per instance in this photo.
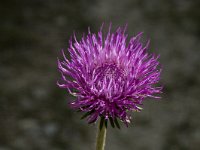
(101, 135)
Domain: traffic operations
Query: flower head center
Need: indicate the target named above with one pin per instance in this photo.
(108, 75)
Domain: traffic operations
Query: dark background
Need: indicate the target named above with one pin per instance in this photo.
(34, 114)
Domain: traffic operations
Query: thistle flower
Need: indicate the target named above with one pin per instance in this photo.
(109, 76)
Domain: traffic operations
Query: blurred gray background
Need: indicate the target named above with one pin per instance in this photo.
(34, 114)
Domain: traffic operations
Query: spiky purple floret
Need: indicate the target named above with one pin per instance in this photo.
(109, 77)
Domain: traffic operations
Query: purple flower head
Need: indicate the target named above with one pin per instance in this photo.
(109, 76)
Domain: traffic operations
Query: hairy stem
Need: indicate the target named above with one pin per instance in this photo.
(101, 135)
